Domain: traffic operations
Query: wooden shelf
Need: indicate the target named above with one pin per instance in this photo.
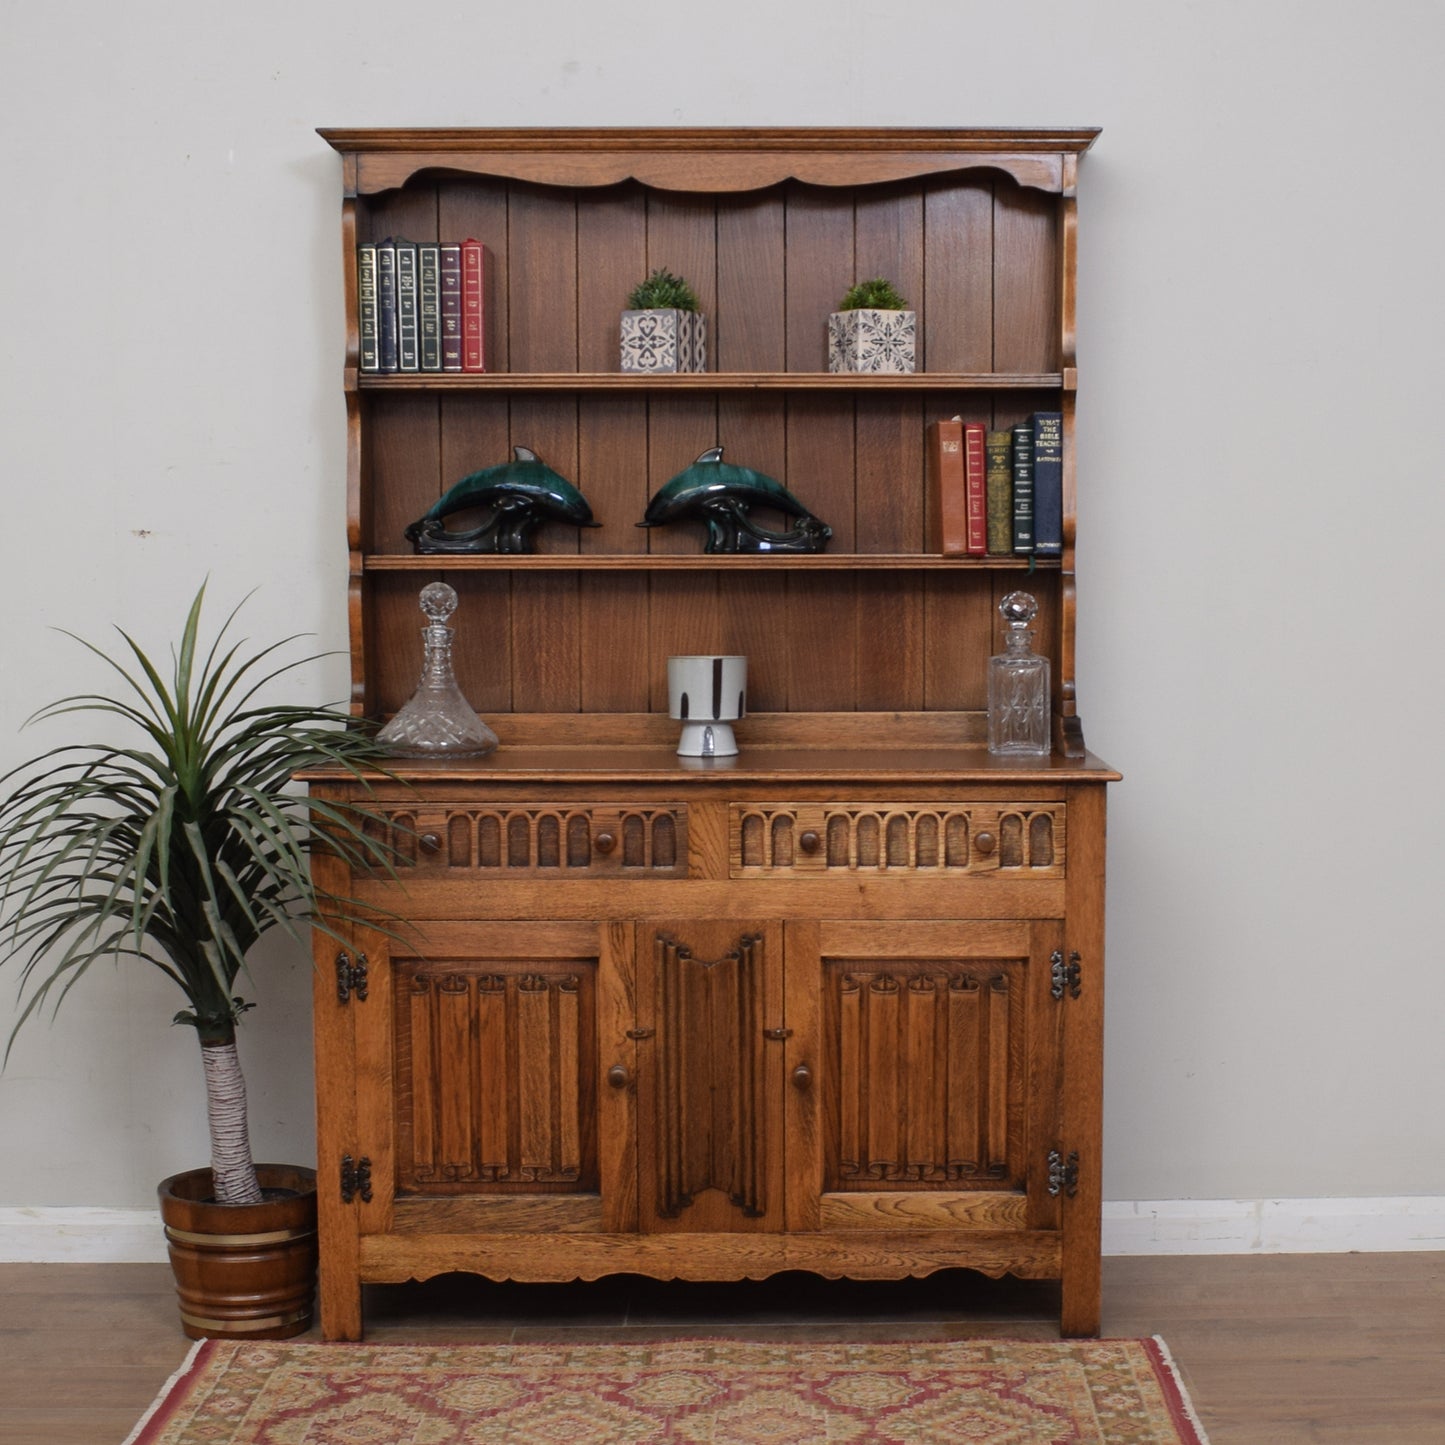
(717, 381)
(700, 562)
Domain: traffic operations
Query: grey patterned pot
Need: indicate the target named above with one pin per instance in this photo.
(663, 339)
(870, 340)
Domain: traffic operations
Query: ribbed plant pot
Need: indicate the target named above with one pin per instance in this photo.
(243, 1271)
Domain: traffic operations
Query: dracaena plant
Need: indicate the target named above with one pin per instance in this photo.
(179, 847)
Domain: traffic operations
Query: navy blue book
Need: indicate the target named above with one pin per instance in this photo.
(386, 306)
(1048, 483)
(1023, 440)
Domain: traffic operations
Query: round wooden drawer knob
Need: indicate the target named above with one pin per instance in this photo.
(617, 1076)
(604, 843)
(809, 842)
(430, 843)
(985, 843)
(802, 1077)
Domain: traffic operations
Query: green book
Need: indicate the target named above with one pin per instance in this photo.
(999, 492)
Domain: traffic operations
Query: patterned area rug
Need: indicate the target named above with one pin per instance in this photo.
(723, 1392)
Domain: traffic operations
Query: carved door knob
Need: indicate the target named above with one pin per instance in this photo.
(809, 842)
(604, 843)
(802, 1077)
(617, 1076)
(985, 843)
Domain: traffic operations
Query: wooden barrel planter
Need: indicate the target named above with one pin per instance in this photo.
(243, 1271)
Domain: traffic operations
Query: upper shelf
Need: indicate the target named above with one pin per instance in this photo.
(715, 381)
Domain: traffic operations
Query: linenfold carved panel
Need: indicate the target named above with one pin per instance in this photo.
(710, 1060)
(897, 837)
(493, 1067)
(928, 1062)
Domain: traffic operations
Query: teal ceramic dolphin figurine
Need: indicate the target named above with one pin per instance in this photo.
(722, 495)
(521, 494)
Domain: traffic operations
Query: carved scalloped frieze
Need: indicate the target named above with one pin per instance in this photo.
(714, 161)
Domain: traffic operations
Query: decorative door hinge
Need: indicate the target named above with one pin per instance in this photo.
(1063, 1173)
(350, 977)
(1065, 974)
(355, 1179)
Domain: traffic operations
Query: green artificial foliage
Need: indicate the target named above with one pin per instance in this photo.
(875, 295)
(662, 290)
(179, 846)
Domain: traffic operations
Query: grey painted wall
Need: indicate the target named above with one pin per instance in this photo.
(1261, 501)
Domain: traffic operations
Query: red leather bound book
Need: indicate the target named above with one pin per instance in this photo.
(474, 313)
(948, 516)
(975, 471)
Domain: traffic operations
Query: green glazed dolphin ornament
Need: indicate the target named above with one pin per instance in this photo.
(722, 495)
(521, 494)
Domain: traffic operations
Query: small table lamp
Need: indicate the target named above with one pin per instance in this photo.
(707, 694)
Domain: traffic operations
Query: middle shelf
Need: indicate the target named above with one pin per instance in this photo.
(700, 562)
(715, 381)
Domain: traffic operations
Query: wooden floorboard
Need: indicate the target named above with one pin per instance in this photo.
(1275, 1349)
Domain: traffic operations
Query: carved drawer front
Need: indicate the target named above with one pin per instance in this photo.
(1025, 839)
(544, 841)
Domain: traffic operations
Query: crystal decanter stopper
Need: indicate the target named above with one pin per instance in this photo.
(1018, 685)
(438, 721)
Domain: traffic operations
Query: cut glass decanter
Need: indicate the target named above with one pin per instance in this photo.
(438, 721)
(1018, 685)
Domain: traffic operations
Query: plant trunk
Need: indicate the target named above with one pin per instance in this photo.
(232, 1172)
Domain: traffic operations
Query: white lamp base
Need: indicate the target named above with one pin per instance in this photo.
(707, 740)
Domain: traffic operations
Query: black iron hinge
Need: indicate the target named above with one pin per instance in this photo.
(1065, 973)
(350, 977)
(1063, 1173)
(355, 1179)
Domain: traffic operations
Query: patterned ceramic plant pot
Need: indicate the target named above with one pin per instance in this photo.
(869, 340)
(664, 340)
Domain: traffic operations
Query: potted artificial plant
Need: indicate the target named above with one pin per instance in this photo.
(178, 848)
(872, 330)
(663, 329)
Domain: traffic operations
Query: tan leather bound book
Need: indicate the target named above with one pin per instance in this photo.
(948, 491)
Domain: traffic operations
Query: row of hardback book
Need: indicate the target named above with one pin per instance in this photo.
(421, 305)
(997, 493)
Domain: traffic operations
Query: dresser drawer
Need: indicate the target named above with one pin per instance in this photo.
(555, 840)
(779, 839)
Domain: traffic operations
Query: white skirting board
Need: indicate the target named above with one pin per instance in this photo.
(1147, 1226)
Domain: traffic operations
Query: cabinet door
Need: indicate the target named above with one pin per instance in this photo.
(709, 1076)
(923, 1075)
(481, 1100)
